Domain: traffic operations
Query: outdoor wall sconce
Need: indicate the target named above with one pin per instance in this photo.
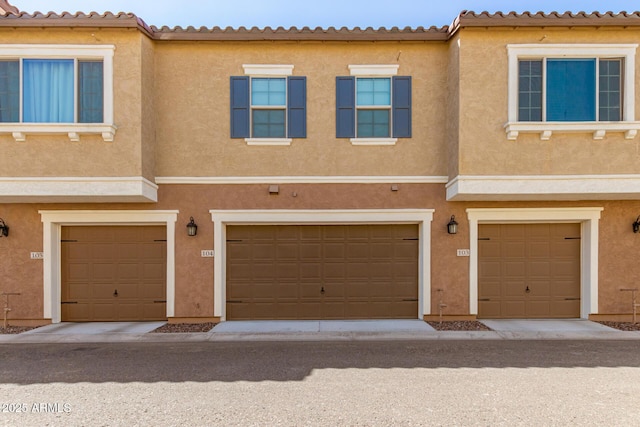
(4, 229)
(636, 225)
(452, 227)
(192, 228)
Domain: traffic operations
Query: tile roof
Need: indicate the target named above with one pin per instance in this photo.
(466, 19)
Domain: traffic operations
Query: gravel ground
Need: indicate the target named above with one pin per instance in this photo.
(185, 327)
(459, 325)
(623, 326)
(15, 329)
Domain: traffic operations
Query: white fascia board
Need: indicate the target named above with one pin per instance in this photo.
(239, 180)
(543, 187)
(77, 189)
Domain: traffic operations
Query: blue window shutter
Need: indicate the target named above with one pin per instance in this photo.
(345, 107)
(240, 108)
(402, 107)
(297, 107)
(571, 90)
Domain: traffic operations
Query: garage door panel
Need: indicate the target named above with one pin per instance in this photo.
(286, 251)
(550, 267)
(263, 252)
(514, 269)
(537, 268)
(311, 251)
(539, 250)
(263, 271)
(513, 288)
(98, 260)
(515, 249)
(354, 264)
(512, 308)
(490, 290)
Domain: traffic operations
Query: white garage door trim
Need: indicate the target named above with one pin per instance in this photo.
(222, 218)
(53, 221)
(588, 217)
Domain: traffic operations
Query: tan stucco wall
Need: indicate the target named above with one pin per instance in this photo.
(618, 266)
(453, 106)
(55, 155)
(147, 106)
(484, 148)
(192, 89)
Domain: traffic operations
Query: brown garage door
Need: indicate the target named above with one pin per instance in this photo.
(322, 272)
(113, 273)
(529, 270)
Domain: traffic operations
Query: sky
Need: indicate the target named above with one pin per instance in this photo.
(315, 13)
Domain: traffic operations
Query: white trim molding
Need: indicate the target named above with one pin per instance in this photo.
(267, 69)
(245, 180)
(53, 221)
(588, 217)
(373, 141)
(105, 53)
(627, 125)
(222, 218)
(374, 70)
(132, 189)
(268, 141)
(543, 187)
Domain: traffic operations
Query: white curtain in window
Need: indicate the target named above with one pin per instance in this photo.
(48, 91)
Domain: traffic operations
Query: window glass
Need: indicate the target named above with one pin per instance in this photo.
(268, 123)
(90, 92)
(268, 91)
(374, 91)
(610, 93)
(530, 91)
(9, 91)
(373, 123)
(48, 91)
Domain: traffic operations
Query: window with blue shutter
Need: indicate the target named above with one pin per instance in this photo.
(373, 107)
(268, 107)
(575, 89)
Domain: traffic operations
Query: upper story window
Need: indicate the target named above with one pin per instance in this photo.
(51, 91)
(571, 88)
(576, 90)
(56, 89)
(268, 105)
(373, 106)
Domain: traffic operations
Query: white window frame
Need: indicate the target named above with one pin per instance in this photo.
(627, 125)
(104, 53)
(267, 71)
(372, 72)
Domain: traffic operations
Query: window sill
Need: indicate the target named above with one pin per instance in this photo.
(546, 129)
(373, 141)
(19, 131)
(268, 141)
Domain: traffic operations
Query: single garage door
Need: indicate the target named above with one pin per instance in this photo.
(113, 273)
(529, 270)
(322, 272)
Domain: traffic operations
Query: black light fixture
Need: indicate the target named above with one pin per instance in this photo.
(4, 229)
(452, 227)
(192, 228)
(636, 225)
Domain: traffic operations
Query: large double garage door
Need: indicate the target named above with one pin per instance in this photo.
(113, 273)
(529, 270)
(322, 271)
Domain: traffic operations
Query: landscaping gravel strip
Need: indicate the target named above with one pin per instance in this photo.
(623, 326)
(16, 329)
(184, 327)
(459, 325)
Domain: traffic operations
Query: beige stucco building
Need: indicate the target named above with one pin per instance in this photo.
(321, 168)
